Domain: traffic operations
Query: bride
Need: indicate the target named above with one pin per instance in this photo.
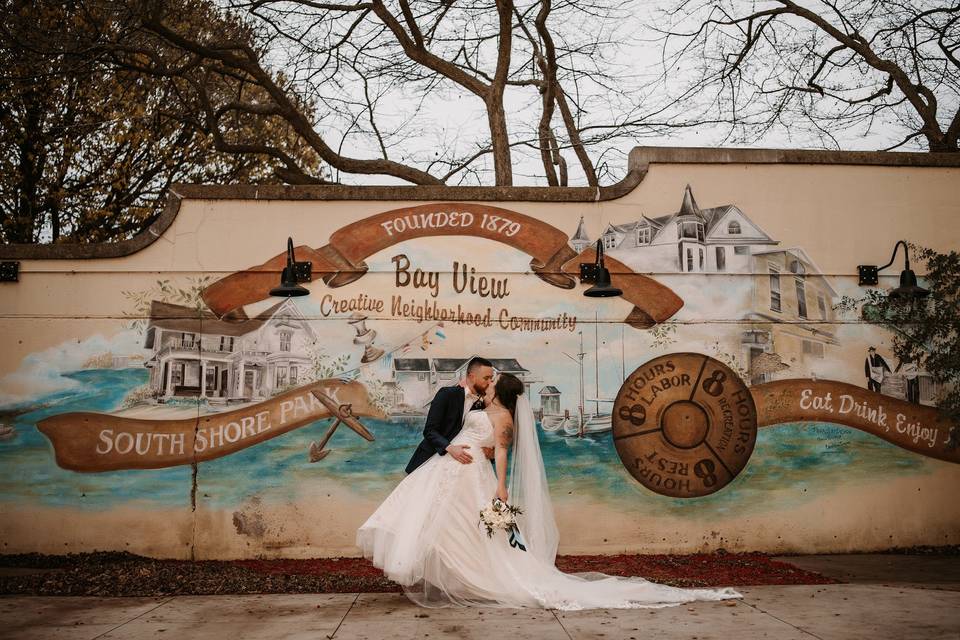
(426, 535)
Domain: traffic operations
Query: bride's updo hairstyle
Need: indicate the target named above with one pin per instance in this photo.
(508, 387)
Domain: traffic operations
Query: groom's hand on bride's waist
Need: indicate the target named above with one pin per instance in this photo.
(459, 453)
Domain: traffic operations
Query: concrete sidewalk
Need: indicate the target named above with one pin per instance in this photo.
(887, 596)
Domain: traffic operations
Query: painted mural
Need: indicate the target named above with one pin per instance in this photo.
(723, 372)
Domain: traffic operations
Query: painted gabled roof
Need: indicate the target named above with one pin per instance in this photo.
(177, 317)
(689, 209)
(449, 365)
(411, 364)
(506, 364)
(710, 217)
(628, 227)
(581, 234)
(713, 215)
(721, 213)
(658, 221)
(549, 390)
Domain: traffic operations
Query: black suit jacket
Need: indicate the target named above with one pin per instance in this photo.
(444, 421)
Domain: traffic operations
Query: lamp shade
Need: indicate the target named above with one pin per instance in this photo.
(288, 285)
(602, 288)
(909, 290)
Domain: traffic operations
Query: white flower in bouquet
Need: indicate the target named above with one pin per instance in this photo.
(499, 516)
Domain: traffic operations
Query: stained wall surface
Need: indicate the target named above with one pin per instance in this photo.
(162, 402)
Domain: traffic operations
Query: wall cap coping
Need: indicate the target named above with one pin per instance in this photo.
(638, 164)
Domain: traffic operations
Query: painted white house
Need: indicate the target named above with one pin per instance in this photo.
(412, 379)
(788, 309)
(550, 400)
(691, 240)
(791, 314)
(196, 354)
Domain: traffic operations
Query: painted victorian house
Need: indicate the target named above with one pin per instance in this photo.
(791, 316)
(196, 354)
(788, 310)
(690, 240)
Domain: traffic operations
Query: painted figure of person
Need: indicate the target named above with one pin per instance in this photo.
(447, 412)
(426, 535)
(874, 367)
(911, 374)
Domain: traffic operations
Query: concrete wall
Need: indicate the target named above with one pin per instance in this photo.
(108, 361)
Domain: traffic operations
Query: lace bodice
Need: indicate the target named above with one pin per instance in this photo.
(477, 431)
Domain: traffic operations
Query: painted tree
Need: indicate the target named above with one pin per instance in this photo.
(823, 69)
(89, 143)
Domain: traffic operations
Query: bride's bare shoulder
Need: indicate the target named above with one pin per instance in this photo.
(502, 425)
(499, 415)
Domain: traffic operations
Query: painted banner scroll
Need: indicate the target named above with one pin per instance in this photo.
(342, 260)
(685, 424)
(90, 442)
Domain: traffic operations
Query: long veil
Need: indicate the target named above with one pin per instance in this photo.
(528, 487)
(426, 536)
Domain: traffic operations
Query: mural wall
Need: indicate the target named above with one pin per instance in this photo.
(165, 403)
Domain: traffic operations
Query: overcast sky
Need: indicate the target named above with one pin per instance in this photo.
(456, 117)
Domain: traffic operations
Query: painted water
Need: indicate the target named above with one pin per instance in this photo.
(810, 459)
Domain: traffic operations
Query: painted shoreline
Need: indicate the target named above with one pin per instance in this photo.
(321, 522)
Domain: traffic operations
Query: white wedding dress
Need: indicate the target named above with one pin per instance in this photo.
(426, 536)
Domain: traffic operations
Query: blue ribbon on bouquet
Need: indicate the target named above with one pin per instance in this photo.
(516, 540)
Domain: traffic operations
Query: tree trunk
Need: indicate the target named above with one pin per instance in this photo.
(24, 226)
(497, 119)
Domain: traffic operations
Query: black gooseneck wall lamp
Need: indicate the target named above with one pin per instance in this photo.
(598, 274)
(294, 273)
(908, 291)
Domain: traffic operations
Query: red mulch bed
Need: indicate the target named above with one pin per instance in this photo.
(126, 574)
(698, 570)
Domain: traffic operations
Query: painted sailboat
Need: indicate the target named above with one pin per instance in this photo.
(597, 421)
(555, 422)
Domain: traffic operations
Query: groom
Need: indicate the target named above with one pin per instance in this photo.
(447, 411)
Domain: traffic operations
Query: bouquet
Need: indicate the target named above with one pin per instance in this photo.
(500, 515)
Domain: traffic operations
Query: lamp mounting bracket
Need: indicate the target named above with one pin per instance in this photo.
(868, 274)
(303, 271)
(588, 272)
(9, 271)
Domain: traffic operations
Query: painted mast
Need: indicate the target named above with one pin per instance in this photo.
(596, 362)
(581, 407)
(579, 361)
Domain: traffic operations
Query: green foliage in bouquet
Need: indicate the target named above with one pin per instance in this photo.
(499, 515)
